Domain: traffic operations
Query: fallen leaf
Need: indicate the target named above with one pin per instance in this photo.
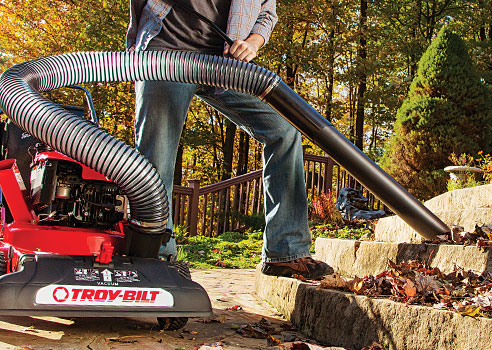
(333, 281)
(261, 329)
(299, 277)
(272, 341)
(410, 289)
(440, 306)
(471, 310)
(425, 284)
(393, 265)
(355, 285)
(483, 301)
(252, 332)
(236, 308)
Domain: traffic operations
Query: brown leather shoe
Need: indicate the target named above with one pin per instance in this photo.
(306, 267)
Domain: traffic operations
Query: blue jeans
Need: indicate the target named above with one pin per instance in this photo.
(161, 109)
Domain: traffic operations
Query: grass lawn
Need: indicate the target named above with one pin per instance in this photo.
(238, 250)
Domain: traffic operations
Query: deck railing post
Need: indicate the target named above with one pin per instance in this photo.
(194, 184)
(328, 176)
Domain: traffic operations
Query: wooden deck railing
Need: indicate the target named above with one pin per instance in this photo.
(220, 207)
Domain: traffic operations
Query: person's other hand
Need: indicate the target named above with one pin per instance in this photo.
(245, 50)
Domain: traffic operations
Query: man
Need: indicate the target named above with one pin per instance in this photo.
(161, 109)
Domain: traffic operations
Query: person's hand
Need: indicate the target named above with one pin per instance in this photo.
(245, 50)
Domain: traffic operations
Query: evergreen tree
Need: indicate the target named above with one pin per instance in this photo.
(448, 109)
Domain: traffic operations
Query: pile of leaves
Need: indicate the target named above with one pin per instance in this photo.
(481, 236)
(413, 283)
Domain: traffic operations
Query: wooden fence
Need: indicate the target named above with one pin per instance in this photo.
(224, 206)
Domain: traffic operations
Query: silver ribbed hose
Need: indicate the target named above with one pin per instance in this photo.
(20, 99)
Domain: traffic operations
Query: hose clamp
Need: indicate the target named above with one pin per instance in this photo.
(147, 224)
(270, 87)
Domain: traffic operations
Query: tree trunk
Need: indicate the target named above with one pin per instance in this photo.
(178, 167)
(228, 149)
(242, 163)
(330, 78)
(290, 69)
(415, 35)
(362, 76)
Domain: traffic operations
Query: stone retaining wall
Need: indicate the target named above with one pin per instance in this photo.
(342, 319)
(464, 207)
(355, 258)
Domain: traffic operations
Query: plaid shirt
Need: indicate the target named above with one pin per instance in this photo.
(245, 17)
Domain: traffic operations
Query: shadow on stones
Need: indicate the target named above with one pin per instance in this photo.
(424, 253)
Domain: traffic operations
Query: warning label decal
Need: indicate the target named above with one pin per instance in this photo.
(108, 276)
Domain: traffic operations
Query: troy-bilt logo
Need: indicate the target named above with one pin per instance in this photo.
(84, 295)
(60, 294)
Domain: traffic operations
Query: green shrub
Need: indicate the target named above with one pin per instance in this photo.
(470, 181)
(233, 236)
(448, 109)
(255, 222)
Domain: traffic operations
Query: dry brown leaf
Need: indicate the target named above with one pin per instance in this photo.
(333, 281)
(272, 341)
(299, 277)
(425, 284)
(355, 285)
(410, 289)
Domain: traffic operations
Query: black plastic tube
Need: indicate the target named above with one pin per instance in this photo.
(306, 119)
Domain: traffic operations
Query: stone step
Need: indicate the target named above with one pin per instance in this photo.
(466, 198)
(362, 258)
(352, 321)
(465, 207)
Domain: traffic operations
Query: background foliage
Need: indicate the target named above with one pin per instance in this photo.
(352, 60)
(448, 110)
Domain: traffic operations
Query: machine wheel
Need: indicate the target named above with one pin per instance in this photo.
(3, 264)
(183, 269)
(175, 323)
(171, 323)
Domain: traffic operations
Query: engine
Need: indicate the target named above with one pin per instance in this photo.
(61, 196)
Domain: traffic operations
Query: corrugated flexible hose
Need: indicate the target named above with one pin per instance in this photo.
(20, 98)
